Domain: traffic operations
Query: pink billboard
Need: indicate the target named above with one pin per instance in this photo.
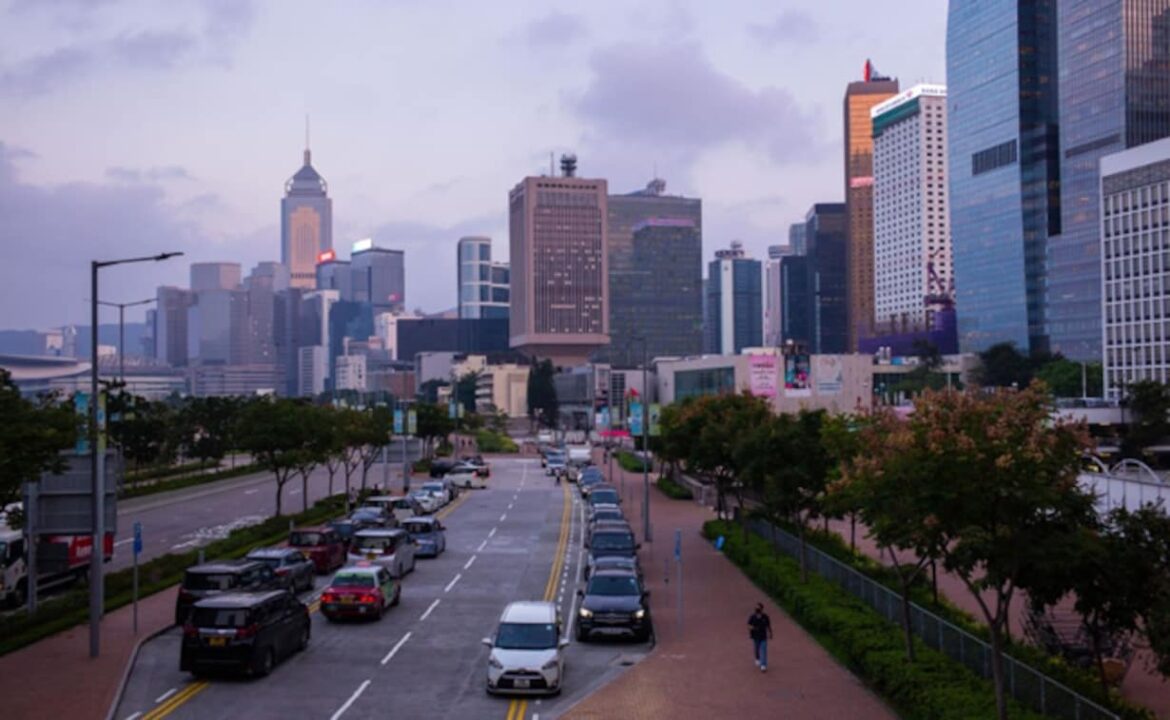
(763, 374)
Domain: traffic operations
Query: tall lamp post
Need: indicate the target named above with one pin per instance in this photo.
(97, 459)
(122, 331)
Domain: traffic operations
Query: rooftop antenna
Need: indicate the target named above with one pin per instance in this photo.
(552, 168)
(306, 138)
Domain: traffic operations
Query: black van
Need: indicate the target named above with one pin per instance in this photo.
(247, 632)
(201, 581)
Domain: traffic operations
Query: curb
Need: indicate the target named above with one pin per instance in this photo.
(130, 667)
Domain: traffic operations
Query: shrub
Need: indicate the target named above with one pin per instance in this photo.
(674, 490)
(488, 441)
(629, 461)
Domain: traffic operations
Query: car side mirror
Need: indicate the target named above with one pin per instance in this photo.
(487, 642)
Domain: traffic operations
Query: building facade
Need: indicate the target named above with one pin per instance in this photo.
(455, 335)
(1135, 266)
(350, 372)
(860, 98)
(483, 285)
(560, 282)
(334, 274)
(1114, 68)
(306, 224)
(912, 242)
(735, 303)
(826, 228)
(215, 276)
(1004, 167)
(379, 276)
(773, 294)
(170, 331)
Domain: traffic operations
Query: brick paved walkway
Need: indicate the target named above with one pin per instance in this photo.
(707, 670)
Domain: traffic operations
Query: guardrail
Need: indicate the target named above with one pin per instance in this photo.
(1024, 683)
(1131, 493)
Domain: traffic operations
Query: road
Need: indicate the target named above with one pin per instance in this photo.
(518, 539)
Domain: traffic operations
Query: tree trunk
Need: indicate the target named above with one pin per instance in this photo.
(904, 583)
(803, 552)
(305, 490)
(997, 672)
(348, 472)
(332, 472)
(853, 532)
(279, 494)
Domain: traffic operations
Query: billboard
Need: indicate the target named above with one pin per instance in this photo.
(797, 376)
(763, 375)
(635, 419)
(828, 374)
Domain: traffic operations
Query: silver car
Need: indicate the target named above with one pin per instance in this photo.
(391, 549)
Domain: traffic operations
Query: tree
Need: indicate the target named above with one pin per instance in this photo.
(141, 429)
(277, 434)
(32, 436)
(208, 427)
(1149, 404)
(841, 436)
(1002, 365)
(543, 407)
(464, 391)
(1064, 378)
(434, 424)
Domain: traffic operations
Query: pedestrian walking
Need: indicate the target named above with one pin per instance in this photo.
(761, 631)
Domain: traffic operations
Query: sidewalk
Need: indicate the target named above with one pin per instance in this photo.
(55, 678)
(706, 670)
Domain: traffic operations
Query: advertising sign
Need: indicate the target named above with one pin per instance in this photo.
(762, 375)
(797, 376)
(655, 420)
(81, 407)
(452, 411)
(412, 422)
(828, 374)
(398, 422)
(635, 418)
(603, 419)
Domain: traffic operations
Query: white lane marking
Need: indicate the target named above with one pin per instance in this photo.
(123, 542)
(482, 545)
(430, 609)
(492, 533)
(165, 695)
(294, 492)
(503, 517)
(395, 649)
(468, 565)
(253, 491)
(135, 716)
(510, 505)
(352, 698)
(452, 583)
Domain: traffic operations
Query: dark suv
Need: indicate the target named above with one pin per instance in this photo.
(248, 632)
(201, 581)
(614, 603)
(612, 539)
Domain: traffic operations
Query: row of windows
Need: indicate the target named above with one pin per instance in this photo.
(1135, 199)
(994, 157)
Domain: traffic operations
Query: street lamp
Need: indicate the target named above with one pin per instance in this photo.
(98, 460)
(122, 331)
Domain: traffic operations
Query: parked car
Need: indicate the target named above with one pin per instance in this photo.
(391, 549)
(249, 632)
(610, 541)
(614, 603)
(441, 466)
(603, 511)
(439, 489)
(604, 496)
(202, 581)
(372, 516)
(429, 534)
(592, 471)
(482, 468)
(466, 476)
(402, 507)
(288, 563)
(587, 482)
(324, 546)
(620, 524)
(360, 591)
(527, 651)
(617, 562)
(426, 500)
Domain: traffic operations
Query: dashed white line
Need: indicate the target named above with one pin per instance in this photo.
(452, 583)
(492, 533)
(482, 545)
(253, 491)
(135, 716)
(503, 517)
(352, 698)
(430, 609)
(165, 695)
(123, 542)
(510, 505)
(395, 649)
(468, 565)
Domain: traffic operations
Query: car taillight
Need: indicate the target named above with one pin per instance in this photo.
(189, 630)
(328, 598)
(185, 594)
(282, 571)
(369, 599)
(247, 631)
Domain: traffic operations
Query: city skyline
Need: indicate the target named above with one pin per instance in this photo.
(208, 181)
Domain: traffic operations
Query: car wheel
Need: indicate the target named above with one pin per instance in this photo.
(582, 634)
(267, 662)
(303, 642)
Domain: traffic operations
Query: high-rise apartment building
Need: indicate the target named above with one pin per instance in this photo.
(379, 276)
(483, 284)
(267, 279)
(1004, 166)
(1114, 88)
(912, 243)
(860, 97)
(306, 224)
(170, 331)
(734, 301)
(217, 327)
(560, 282)
(215, 276)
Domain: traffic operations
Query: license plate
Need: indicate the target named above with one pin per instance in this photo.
(370, 556)
(346, 600)
(520, 684)
(217, 641)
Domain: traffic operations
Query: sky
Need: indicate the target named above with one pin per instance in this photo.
(130, 128)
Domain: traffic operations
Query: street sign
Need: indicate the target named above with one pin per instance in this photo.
(412, 423)
(64, 503)
(635, 418)
(398, 422)
(678, 544)
(101, 422)
(137, 538)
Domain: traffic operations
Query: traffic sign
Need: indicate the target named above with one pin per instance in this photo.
(137, 538)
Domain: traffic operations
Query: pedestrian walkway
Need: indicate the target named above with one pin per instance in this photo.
(705, 668)
(56, 678)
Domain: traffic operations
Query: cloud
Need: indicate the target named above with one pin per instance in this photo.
(669, 98)
(163, 49)
(151, 175)
(556, 29)
(789, 26)
(45, 73)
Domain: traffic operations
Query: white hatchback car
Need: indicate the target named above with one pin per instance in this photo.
(527, 652)
(391, 549)
(465, 476)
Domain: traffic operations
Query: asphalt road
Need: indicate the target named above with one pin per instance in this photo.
(425, 657)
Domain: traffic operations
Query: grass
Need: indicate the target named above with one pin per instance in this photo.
(153, 473)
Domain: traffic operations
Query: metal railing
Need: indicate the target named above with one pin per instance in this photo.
(1127, 491)
(1025, 684)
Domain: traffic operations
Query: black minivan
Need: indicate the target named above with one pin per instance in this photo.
(202, 581)
(247, 632)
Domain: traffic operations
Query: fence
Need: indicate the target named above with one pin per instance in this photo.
(1129, 492)
(1030, 687)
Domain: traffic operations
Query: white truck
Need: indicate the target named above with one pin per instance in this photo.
(61, 558)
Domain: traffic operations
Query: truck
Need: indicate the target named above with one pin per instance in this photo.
(60, 558)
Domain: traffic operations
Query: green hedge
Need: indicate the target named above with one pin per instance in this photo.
(421, 466)
(629, 461)
(153, 473)
(1080, 681)
(65, 611)
(933, 687)
(674, 490)
(189, 481)
(488, 441)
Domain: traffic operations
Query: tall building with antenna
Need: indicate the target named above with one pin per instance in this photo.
(306, 222)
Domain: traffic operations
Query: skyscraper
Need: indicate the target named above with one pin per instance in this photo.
(335, 274)
(306, 224)
(379, 276)
(628, 270)
(215, 276)
(735, 304)
(170, 331)
(560, 283)
(773, 294)
(483, 284)
(1114, 60)
(826, 231)
(1004, 166)
(860, 97)
(912, 242)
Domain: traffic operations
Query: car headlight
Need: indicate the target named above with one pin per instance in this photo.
(585, 613)
(495, 663)
(639, 614)
(550, 665)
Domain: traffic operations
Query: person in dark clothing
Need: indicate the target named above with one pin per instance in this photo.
(760, 630)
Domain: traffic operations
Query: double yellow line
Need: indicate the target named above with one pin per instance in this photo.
(174, 701)
(518, 707)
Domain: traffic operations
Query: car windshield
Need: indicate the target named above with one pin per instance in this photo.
(306, 539)
(220, 617)
(402, 504)
(374, 543)
(419, 528)
(612, 541)
(526, 636)
(611, 585)
(269, 560)
(209, 581)
(356, 580)
(598, 497)
(601, 515)
(366, 514)
(433, 488)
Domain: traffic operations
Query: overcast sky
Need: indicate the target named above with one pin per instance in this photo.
(130, 128)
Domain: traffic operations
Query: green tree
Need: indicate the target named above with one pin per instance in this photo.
(32, 436)
(434, 425)
(1149, 407)
(543, 407)
(277, 433)
(464, 391)
(1002, 365)
(141, 429)
(208, 427)
(1064, 378)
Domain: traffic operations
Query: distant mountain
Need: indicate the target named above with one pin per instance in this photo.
(29, 342)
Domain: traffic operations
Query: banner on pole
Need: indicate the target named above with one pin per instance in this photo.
(655, 420)
(635, 418)
(412, 422)
(398, 422)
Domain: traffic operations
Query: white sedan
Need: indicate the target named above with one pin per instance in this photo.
(439, 490)
(428, 501)
(466, 476)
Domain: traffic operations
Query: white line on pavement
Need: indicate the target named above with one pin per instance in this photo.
(135, 716)
(482, 545)
(395, 649)
(123, 542)
(492, 533)
(503, 517)
(253, 491)
(352, 698)
(294, 492)
(468, 565)
(430, 609)
(452, 583)
(166, 695)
